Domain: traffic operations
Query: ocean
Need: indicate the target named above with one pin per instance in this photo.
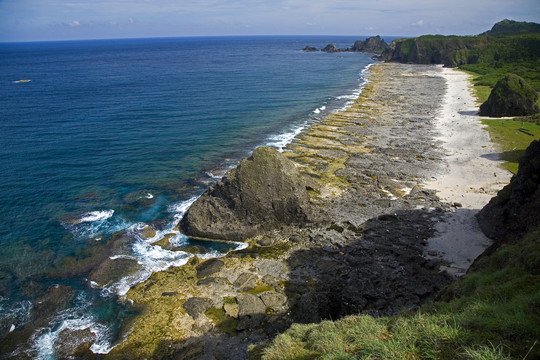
(101, 138)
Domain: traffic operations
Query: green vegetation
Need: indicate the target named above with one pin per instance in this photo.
(510, 47)
(492, 313)
(512, 137)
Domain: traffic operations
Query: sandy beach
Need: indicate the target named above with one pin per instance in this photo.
(472, 174)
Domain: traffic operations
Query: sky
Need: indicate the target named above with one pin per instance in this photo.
(44, 20)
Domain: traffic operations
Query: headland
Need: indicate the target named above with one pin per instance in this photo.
(375, 188)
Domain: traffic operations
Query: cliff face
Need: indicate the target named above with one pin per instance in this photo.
(434, 49)
(507, 41)
(263, 193)
(516, 208)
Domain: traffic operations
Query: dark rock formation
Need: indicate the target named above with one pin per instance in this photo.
(264, 192)
(209, 267)
(372, 44)
(309, 48)
(113, 270)
(516, 208)
(251, 311)
(75, 344)
(196, 306)
(331, 48)
(511, 96)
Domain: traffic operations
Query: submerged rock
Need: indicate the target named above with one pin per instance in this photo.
(75, 344)
(112, 270)
(511, 96)
(263, 193)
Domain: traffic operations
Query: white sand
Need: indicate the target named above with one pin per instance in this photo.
(473, 175)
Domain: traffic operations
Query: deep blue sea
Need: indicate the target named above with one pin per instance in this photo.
(112, 135)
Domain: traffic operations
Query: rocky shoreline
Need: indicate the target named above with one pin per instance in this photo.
(336, 225)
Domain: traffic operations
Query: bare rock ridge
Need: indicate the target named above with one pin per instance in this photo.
(263, 193)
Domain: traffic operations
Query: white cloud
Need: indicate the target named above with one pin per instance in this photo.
(418, 23)
(74, 23)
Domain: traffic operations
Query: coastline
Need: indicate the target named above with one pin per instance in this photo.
(375, 164)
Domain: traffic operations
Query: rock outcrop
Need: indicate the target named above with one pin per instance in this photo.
(514, 211)
(511, 96)
(372, 44)
(264, 192)
(309, 48)
(331, 48)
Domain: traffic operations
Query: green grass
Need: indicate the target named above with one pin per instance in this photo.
(509, 140)
(492, 313)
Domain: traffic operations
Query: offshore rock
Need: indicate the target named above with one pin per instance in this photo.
(265, 192)
(309, 48)
(331, 48)
(514, 211)
(511, 96)
(372, 44)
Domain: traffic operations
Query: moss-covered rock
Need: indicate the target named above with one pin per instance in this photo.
(511, 96)
(263, 193)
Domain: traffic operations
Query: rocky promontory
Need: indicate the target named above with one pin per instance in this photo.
(265, 192)
(335, 225)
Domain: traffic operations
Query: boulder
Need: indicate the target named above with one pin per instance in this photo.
(245, 281)
(251, 311)
(273, 300)
(265, 192)
(511, 96)
(196, 306)
(209, 267)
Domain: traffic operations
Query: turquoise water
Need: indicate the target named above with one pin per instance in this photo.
(110, 135)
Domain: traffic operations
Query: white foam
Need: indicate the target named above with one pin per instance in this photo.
(149, 196)
(43, 340)
(282, 140)
(94, 216)
(179, 209)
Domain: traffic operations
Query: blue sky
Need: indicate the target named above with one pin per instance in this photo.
(37, 20)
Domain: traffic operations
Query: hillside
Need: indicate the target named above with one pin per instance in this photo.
(509, 47)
